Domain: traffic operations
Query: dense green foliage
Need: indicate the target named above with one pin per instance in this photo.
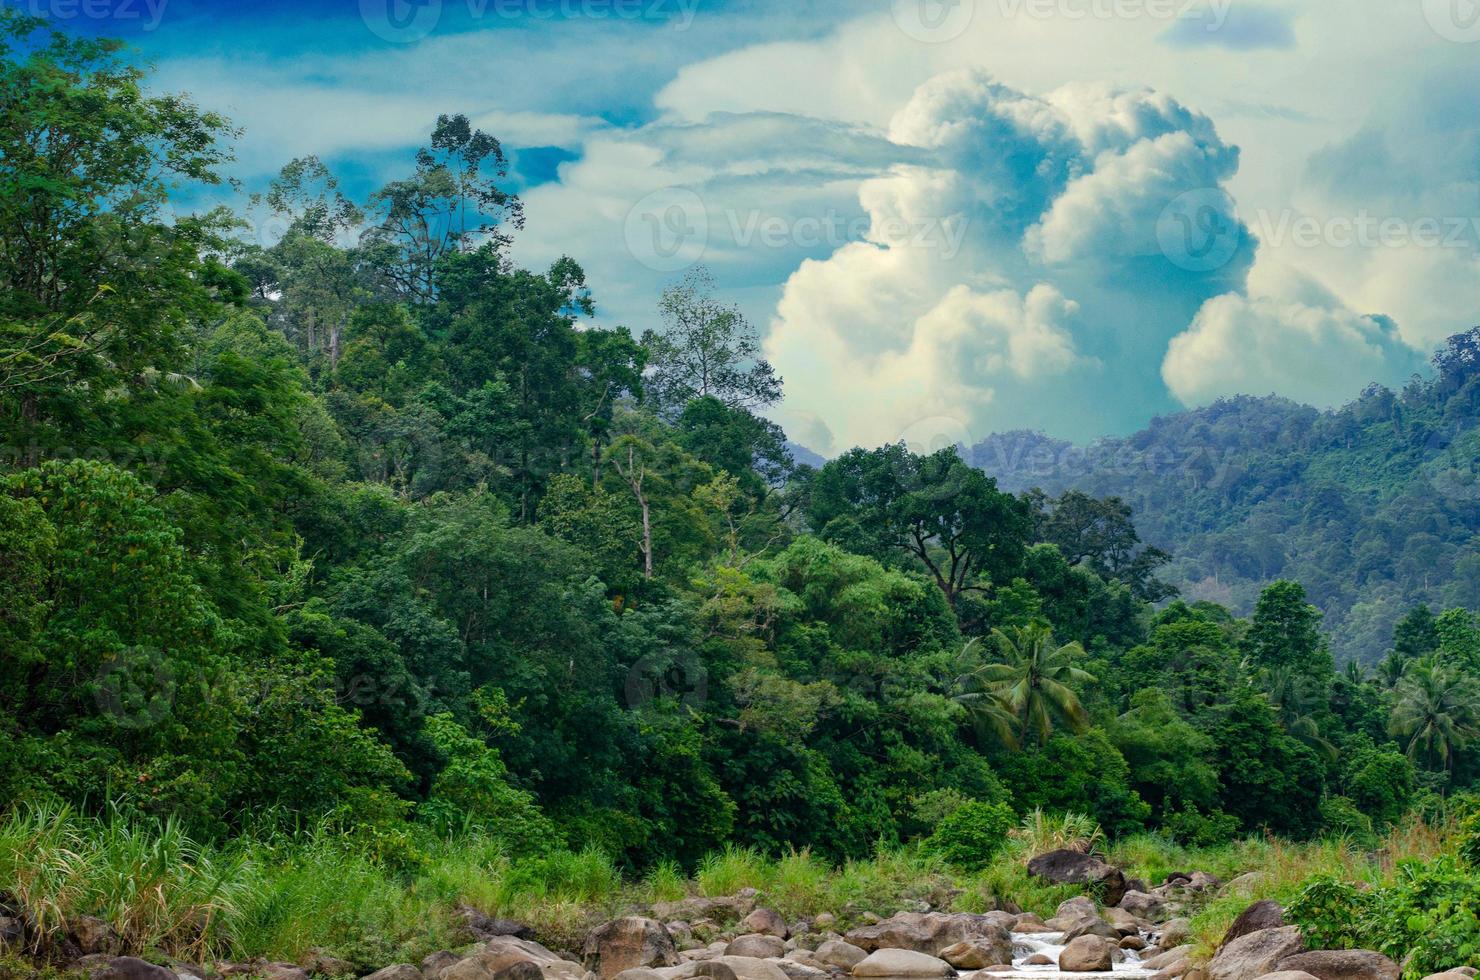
(371, 529)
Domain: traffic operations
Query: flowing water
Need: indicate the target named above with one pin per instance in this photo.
(1051, 944)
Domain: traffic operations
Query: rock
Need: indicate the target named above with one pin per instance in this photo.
(1075, 868)
(520, 970)
(1287, 975)
(639, 973)
(93, 936)
(486, 927)
(824, 921)
(715, 971)
(749, 968)
(1246, 884)
(1261, 915)
(1092, 925)
(1180, 969)
(801, 971)
(12, 931)
(839, 953)
(1135, 943)
(1201, 881)
(1121, 919)
(399, 971)
(903, 964)
(1446, 975)
(977, 954)
(320, 962)
(623, 944)
(1039, 959)
(767, 922)
(433, 964)
(282, 971)
(762, 946)
(1345, 964)
(101, 966)
(1162, 961)
(1254, 954)
(923, 932)
(1076, 908)
(725, 908)
(1175, 932)
(1087, 954)
(503, 953)
(1152, 907)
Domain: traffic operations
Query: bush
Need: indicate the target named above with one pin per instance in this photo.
(971, 836)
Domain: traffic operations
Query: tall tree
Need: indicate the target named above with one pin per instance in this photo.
(706, 347)
(937, 510)
(1437, 713)
(1033, 681)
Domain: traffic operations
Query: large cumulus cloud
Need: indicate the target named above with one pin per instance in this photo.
(1057, 297)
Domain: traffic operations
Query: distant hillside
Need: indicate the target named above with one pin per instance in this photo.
(1374, 507)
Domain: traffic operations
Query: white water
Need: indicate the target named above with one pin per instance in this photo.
(1051, 944)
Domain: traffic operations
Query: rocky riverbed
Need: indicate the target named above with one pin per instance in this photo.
(1137, 931)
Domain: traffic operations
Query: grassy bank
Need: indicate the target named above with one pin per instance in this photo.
(279, 896)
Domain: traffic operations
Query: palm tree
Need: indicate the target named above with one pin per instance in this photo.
(1437, 711)
(1291, 693)
(989, 713)
(1031, 684)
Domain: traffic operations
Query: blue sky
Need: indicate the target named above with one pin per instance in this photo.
(947, 217)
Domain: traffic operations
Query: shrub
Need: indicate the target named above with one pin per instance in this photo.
(971, 836)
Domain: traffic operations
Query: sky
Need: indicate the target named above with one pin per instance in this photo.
(946, 218)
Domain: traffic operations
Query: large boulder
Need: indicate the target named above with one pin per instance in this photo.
(924, 932)
(767, 922)
(101, 966)
(1169, 959)
(757, 944)
(903, 964)
(1175, 932)
(94, 936)
(1142, 905)
(1266, 914)
(623, 944)
(1091, 925)
(1255, 954)
(1287, 975)
(748, 968)
(1067, 867)
(1344, 964)
(397, 971)
(1088, 954)
(841, 954)
(433, 964)
(977, 954)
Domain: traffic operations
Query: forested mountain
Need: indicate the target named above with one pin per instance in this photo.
(1373, 507)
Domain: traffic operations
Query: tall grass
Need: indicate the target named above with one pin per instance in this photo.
(279, 896)
(155, 886)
